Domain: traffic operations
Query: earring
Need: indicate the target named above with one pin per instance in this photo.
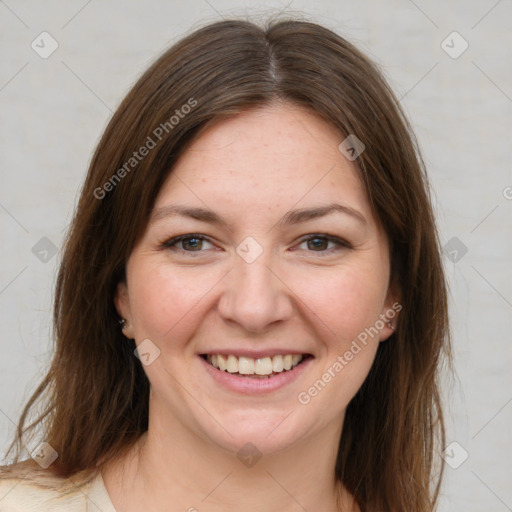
(124, 324)
(126, 328)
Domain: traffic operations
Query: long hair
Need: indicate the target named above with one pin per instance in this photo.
(95, 395)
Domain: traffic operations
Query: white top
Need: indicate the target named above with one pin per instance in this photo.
(55, 495)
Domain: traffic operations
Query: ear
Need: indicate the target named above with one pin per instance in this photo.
(123, 308)
(389, 314)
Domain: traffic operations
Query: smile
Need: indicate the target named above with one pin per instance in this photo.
(258, 375)
(262, 367)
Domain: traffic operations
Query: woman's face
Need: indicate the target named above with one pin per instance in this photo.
(261, 246)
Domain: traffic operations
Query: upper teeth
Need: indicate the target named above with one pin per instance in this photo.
(250, 366)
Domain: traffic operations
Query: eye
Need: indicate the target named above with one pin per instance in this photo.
(323, 243)
(312, 243)
(188, 243)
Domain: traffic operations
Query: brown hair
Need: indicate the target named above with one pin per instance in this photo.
(96, 394)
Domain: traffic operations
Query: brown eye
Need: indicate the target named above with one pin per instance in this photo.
(192, 244)
(323, 243)
(188, 243)
(316, 244)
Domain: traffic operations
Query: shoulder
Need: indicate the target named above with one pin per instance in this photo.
(25, 487)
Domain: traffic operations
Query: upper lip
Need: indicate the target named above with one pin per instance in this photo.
(255, 354)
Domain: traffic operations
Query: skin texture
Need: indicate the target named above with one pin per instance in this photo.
(311, 297)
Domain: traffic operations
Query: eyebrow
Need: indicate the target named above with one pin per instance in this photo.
(290, 218)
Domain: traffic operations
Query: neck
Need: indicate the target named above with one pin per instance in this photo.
(173, 466)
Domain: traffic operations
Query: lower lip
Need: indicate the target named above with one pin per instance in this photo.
(252, 386)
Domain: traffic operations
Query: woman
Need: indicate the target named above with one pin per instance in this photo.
(251, 307)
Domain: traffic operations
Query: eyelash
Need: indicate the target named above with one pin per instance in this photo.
(342, 244)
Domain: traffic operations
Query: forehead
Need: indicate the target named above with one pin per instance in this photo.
(266, 132)
(271, 157)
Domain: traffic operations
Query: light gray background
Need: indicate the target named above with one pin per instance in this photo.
(54, 110)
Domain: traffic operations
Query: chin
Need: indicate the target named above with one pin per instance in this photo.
(267, 433)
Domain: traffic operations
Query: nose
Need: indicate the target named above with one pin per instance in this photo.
(255, 297)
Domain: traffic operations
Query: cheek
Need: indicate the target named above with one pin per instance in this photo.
(345, 301)
(349, 304)
(165, 303)
(344, 309)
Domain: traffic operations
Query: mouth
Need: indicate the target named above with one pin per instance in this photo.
(263, 368)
